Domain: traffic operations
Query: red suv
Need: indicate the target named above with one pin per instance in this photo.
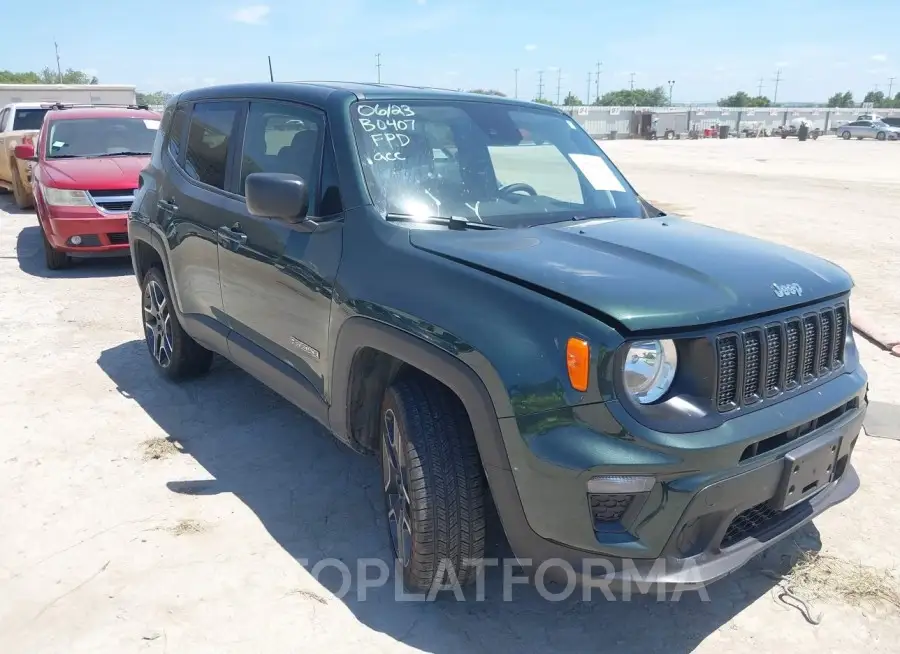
(87, 161)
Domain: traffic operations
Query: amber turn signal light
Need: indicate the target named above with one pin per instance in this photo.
(578, 359)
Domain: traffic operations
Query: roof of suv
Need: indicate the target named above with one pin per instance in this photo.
(100, 112)
(320, 91)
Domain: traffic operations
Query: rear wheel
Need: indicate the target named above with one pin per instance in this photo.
(53, 258)
(175, 354)
(433, 483)
(881, 136)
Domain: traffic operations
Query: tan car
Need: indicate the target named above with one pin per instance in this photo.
(19, 123)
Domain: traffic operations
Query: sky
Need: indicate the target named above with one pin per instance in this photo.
(709, 49)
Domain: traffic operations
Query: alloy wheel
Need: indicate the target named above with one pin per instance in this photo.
(395, 476)
(158, 323)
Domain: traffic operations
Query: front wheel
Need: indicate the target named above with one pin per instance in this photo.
(845, 136)
(53, 258)
(175, 354)
(23, 200)
(434, 486)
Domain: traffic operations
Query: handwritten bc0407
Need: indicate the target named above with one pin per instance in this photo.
(388, 127)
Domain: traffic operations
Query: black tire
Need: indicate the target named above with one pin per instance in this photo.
(443, 479)
(845, 136)
(175, 354)
(881, 136)
(53, 258)
(23, 200)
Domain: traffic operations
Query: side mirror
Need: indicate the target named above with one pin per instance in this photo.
(25, 151)
(281, 196)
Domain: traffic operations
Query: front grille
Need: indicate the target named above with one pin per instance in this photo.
(118, 238)
(750, 522)
(760, 362)
(113, 201)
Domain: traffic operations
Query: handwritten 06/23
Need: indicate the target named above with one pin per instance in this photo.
(385, 125)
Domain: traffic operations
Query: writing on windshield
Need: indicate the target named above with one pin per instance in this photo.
(492, 162)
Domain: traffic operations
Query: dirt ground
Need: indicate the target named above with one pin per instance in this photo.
(139, 516)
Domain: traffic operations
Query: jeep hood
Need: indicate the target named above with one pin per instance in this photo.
(94, 173)
(647, 274)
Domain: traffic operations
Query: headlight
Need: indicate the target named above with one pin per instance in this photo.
(64, 198)
(649, 369)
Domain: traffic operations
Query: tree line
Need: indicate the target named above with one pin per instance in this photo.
(48, 76)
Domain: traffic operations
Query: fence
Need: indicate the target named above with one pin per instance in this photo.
(628, 122)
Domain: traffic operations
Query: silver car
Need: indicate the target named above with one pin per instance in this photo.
(871, 129)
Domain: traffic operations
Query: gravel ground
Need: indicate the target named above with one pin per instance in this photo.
(115, 541)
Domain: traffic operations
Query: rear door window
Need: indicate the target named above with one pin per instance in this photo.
(210, 139)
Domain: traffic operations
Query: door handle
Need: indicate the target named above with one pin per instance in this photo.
(230, 235)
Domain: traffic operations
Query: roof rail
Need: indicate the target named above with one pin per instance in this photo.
(71, 105)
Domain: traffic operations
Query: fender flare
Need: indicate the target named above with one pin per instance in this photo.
(359, 332)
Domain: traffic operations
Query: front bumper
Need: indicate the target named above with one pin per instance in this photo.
(101, 233)
(710, 509)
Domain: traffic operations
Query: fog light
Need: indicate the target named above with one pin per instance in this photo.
(75, 240)
(606, 508)
(620, 484)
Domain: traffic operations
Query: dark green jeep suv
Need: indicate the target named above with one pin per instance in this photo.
(469, 288)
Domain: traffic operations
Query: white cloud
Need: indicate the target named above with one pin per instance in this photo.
(531, 47)
(879, 57)
(251, 15)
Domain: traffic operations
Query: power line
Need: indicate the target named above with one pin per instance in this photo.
(777, 80)
(558, 84)
(599, 63)
(631, 80)
(540, 93)
(378, 66)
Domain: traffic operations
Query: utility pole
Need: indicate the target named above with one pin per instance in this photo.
(777, 81)
(540, 94)
(516, 93)
(631, 80)
(271, 77)
(558, 84)
(890, 86)
(58, 67)
(378, 66)
(671, 84)
(759, 90)
(599, 63)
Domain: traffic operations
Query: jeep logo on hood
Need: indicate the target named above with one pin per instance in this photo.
(782, 290)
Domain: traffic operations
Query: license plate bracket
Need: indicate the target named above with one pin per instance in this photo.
(807, 470)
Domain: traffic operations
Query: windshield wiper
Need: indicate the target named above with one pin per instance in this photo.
(127, 153)
(65, 156)
(453, 222)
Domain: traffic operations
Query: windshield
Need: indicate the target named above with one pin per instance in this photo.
(100, 137)
(490, 162)
(28, 118)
